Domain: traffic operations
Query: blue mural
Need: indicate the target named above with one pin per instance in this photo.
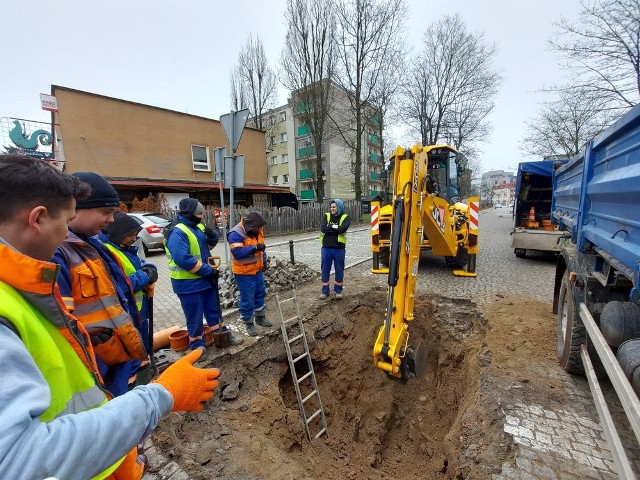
(18, 136)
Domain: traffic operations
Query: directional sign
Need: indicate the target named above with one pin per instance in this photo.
(218, 162)
(233, 124)
(234, 171)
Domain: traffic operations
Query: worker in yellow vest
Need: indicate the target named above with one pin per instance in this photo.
(188, 245)
(55, 415)
(119, 238)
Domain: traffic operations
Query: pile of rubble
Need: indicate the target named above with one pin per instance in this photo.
(279, 276)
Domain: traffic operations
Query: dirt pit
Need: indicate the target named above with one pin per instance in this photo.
(446, 425)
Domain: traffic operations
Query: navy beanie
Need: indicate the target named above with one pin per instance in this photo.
(102, 193)
(189, 206)
(121, 226)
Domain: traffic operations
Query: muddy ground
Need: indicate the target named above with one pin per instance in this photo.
(446, 425)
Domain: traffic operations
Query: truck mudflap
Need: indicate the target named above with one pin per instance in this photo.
(542, 240)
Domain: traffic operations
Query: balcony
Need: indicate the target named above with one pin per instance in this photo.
(306, 174)
(374, 139)
(374, 121)
(374, 158)
(303, 130)
(374, 192)
(374, 176)
(303, 107)
(307, 194)
(305, 152)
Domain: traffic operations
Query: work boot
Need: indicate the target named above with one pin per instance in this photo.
(323, 296)
(252, 331)
(338, 295)
(262, 321)
(226, 339)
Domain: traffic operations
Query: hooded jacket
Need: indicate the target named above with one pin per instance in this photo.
(330, 236)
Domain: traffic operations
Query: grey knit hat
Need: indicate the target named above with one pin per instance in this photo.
(190, 206)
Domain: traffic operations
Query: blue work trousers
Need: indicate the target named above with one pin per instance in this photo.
(328, 257)
(252, 294)
(195, 306)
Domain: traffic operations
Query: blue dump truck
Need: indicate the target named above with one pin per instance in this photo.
(532, 227)
(596, 202)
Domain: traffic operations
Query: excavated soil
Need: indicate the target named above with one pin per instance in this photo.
(446, 425)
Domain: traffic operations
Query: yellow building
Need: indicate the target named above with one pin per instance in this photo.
(143, 149)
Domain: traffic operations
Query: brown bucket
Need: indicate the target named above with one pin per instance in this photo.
(208, 336)
(547, 225)
(179, 340)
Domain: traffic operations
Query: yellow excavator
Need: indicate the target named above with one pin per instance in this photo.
(425, 210)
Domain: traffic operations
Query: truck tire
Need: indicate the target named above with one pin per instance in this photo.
(570, 332)
(520, 252)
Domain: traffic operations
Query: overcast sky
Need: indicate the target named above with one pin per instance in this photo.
(177, 54)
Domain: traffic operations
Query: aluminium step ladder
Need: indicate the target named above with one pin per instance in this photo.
(295, 342)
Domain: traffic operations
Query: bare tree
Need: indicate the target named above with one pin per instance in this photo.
(450, 89)
(368, 35)
(255, 79)
(308, 62)
(565, 125)
(238, 100)
(602, 50)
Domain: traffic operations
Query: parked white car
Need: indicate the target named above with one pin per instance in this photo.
(151, 233)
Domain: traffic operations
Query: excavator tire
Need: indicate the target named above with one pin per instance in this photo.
(383, 257)
(459, 261)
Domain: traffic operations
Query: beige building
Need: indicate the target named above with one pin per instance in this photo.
(143, 149)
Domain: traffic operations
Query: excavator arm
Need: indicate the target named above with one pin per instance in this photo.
(418, 213)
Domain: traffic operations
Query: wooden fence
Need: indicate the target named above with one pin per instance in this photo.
(286, 219)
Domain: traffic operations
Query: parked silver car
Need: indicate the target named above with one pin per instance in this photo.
(152, 225)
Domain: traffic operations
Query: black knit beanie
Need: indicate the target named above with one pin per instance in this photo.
(121, 226)
(189, 206)
(102, 193)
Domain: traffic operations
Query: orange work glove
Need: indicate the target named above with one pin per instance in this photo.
(191, 387)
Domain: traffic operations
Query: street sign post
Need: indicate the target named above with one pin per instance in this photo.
(219, 155)
(233, 124)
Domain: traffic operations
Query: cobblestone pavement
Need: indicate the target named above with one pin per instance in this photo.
(565, 443)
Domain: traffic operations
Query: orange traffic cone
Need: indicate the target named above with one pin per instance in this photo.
(532, 215)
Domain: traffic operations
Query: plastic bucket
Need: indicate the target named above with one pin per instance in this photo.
(547, 225)
(179, 340)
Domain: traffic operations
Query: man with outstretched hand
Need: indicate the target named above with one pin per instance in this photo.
(56, 417)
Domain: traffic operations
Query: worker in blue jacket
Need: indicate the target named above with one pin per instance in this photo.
(119, 238)
(194, 281)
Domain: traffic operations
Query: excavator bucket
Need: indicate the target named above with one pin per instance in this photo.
(413, 364)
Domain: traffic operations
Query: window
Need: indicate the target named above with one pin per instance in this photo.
(272, 119)
(200, 158)
(283, 137)
(285, 158)
(353, 186)
(285, 178)
(282, 116)
(274, 160)
(274, 179)
(272, 140)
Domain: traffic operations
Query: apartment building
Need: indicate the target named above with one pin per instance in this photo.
(291, 154)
